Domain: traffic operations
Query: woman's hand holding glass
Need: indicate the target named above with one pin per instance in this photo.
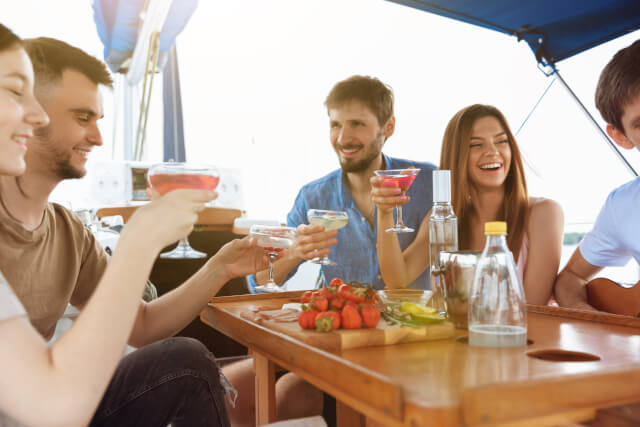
(167, 218)
(386, 198)
(313, 241)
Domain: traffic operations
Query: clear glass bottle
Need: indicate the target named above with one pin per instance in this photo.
(497, 307)
(443, 234)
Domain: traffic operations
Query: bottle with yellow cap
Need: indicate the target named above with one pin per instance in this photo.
(497, 307)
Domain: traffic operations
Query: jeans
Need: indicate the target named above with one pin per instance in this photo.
(174, 381)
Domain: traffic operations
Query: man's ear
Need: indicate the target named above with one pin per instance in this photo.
(389, 127)
(619, 137)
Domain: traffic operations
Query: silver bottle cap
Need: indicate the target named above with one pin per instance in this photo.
(441, 186)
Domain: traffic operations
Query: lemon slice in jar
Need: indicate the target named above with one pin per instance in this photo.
(428, 317)
(413, 308)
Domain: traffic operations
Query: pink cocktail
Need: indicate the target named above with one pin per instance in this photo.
(166, 177)
(402, 178)
(402, 181)
(273, 239)
(165, 182)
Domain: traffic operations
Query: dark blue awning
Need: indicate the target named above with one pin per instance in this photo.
(554, 29)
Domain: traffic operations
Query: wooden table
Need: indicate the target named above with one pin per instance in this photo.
(211, 218)
(448, 382)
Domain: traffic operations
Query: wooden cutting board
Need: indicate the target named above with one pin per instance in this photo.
(343, 339)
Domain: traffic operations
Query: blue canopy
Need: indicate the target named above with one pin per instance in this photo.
(554, 29)
(118, 24)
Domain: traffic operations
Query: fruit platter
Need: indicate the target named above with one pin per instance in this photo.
(351, 314)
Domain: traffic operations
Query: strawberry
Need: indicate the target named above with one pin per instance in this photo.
(319, 303)
(370, 315)
(351, 303)
(350, 317)
(335, 283)
(307, 319)
(370, 296)
(306, 297)
(328, 293)
(336, 303)
(327, 321)
(350, 293)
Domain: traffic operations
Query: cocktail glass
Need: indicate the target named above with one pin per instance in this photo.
(402, 178)
(165, 177)
(273, 239)
(330, 220)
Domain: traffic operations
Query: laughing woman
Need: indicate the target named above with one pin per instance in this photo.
(488, 184)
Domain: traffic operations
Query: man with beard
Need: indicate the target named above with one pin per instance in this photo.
(51, 259)
(361, 120)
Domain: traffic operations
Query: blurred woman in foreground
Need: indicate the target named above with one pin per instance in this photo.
(64, 383)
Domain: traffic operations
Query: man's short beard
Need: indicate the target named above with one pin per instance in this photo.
(359, 166)
(62, 164)
(64, 170)
(365, 163)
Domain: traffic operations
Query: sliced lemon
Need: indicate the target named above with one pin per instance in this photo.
(428, 317)
(413, 308)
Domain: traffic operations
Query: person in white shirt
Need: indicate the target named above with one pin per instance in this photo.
(615, 237)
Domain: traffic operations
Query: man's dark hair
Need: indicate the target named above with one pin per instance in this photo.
(8, 39)
(619, 83)
(368, 90)
(50, 57)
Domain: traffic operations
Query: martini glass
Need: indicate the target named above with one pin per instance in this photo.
(165, 177)
(330, 220)
(273, 239)
(402, 178)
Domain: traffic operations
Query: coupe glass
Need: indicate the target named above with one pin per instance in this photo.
(273, 239)
(402, 178)
(330, 220)
(165, 177)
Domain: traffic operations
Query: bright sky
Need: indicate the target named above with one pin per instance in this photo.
(255, 74)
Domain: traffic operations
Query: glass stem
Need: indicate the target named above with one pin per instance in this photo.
(184, 242)
(271, 270)
(399, 222)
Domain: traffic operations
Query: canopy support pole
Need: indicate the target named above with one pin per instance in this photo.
(595, 123)
(127, 141)
(173, 135)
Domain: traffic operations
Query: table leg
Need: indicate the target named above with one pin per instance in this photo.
(265, 389)
(347, 416)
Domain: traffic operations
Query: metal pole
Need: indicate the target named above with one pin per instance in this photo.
(595, 123)
(127, 124)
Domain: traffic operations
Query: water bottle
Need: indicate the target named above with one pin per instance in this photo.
(443, 235)
(497, 308)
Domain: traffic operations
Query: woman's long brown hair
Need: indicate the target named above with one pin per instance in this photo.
(455, 157)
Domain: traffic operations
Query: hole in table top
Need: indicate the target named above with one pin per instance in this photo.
(465, 340)
(557, 355)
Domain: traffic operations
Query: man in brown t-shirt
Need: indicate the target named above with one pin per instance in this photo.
(56, 263)
(50, 260)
